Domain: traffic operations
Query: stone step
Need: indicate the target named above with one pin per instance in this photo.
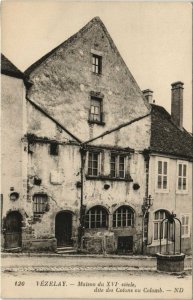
(66, 252)
(65, 248)
(13, 250)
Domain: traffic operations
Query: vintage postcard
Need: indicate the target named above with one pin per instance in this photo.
(96, 150)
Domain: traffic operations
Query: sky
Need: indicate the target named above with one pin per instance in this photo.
(154, 39)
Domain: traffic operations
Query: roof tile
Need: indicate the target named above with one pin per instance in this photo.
(166, 137)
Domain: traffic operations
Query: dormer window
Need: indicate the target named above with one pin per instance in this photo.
(96, 64)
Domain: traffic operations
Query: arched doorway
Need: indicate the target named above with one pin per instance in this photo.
(123, 218)
(63, 228)
(13, 224)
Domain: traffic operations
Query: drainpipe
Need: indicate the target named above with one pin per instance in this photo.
(81, 226)
(145, 206)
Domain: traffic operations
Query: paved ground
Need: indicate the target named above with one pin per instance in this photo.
(85, 277)
(45, 262)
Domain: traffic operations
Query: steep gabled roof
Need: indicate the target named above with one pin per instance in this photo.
(9, 69)
(166, 137)
(63, 44)
(95, 20)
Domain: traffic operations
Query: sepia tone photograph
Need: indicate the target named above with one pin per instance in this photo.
(96, 150)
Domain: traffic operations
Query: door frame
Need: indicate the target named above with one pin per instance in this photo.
(8, 235)
(68, 212)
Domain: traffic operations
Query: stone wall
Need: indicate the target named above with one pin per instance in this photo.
(62, 86)
(63, 82)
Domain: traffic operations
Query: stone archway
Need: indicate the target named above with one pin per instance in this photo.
(13, 230)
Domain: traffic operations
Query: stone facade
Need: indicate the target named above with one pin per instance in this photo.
(81, 159)
(63, 89)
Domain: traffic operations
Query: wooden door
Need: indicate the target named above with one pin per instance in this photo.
(13, 224)
(125, 244)
(63, 229)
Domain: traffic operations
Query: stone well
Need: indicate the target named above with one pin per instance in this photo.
(170, 262)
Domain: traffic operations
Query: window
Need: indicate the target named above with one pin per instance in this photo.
(54, 149)
(162, 175)
(185, 219)
(158, 217)
(123, 217)
(121, 166)
(96, 217)
(117, 165)
(39, 204)
(95, 109)
(96, 64)
(182, 176)
(113, 165)
(93, 163)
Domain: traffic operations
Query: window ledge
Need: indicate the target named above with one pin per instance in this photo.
(97, 74)
(185, 192)
(161, 191)
(123, 228)
(157, 243)
(103, 177)
(96, 122)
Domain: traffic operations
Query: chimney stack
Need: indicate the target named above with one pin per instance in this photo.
(148, 94)
(177, 103)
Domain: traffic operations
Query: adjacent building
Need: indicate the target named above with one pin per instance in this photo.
(13, 175)
(169, 161)
(93, 151)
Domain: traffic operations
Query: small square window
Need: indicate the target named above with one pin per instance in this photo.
(96, 64)
(54, 149)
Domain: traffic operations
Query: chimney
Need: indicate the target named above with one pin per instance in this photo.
(148, 94)
(177, 103)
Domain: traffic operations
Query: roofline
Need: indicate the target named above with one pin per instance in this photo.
(13, 74)
(72, 38)
(174, 155)
(51, 118)
(117, 128)
(36, 64)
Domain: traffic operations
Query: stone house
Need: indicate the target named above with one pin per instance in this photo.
(169, 163)
(87, 152)
(86, 87)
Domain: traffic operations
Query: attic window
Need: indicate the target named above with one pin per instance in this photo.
(54, 149)
(96, 64)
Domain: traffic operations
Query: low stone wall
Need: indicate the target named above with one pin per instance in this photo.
(40, 245)
(98, 243)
